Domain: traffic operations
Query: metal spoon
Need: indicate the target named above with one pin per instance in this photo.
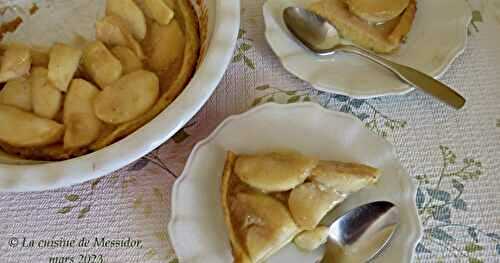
(322, 38)
(362, 233)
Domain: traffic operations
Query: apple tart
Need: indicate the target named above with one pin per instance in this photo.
(74, 99)
(378, 25)
(270, 200)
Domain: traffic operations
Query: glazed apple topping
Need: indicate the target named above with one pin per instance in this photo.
(68, 94)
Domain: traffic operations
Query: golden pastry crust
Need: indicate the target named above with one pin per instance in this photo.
(385, 38)
(239, 253)
(173, 81)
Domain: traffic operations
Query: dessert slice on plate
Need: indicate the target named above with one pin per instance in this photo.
(270, 199)
(379, 25)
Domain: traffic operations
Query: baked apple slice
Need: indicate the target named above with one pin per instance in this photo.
(310, 202)
(17, 93)
(82, 125)
(310, 240)
(113, 31)
(131, 14)
(22, 129)
(274, 172)
(344, 177)
(127, 98)
(161, 56)
(16, 62)
(101, 65)
(63, 63)
(47, 100)
(159, 11)
(263, 223)
(129, 60)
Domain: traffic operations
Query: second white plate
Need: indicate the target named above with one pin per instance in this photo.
(438, 36)
(197, 229)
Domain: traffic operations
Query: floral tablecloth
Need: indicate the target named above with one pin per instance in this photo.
(453, 156)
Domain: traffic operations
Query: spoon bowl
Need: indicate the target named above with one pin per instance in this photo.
(362, 233)
(322, 40)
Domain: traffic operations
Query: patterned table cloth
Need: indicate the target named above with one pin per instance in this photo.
(453, 156)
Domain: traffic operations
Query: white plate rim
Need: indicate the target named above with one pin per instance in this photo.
(414, 237)
(438, 72)
(53, 175)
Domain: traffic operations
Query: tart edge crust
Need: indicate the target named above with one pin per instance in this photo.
(239, 254)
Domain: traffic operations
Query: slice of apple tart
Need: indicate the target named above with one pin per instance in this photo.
(378, 25)
(270, 200)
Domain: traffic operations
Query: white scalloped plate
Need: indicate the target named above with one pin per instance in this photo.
(197, 229)
(223, 26)
(438, 36)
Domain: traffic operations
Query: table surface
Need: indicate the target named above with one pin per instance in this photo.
(453, 156)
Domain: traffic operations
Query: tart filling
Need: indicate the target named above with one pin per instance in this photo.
(97, 92)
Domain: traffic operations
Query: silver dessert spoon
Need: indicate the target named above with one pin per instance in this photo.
(322, 38)
(362, 233)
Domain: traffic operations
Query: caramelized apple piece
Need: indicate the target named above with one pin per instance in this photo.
(171, 37)
(113, 31)
(82, 125)
(17, 93)
(159, 11)
(63, 63)
(266, 221)
(344, 177)
(127, 98)
(109, 32)
(47, 100)
(23, 129)
(16, 62)
(131, 14)
(101, 65)
(130, 62)
(310, 240)
(309, 203)
(275, 171)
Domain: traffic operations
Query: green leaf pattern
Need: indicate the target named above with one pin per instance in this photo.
(80, 206)
(437, 207)
(244, 46)
(364, 110)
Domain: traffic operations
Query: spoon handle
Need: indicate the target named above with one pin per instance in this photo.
(412, 77)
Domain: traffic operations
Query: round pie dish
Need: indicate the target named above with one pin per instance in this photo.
(219, 22)
(437, 37)
(197, 230)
